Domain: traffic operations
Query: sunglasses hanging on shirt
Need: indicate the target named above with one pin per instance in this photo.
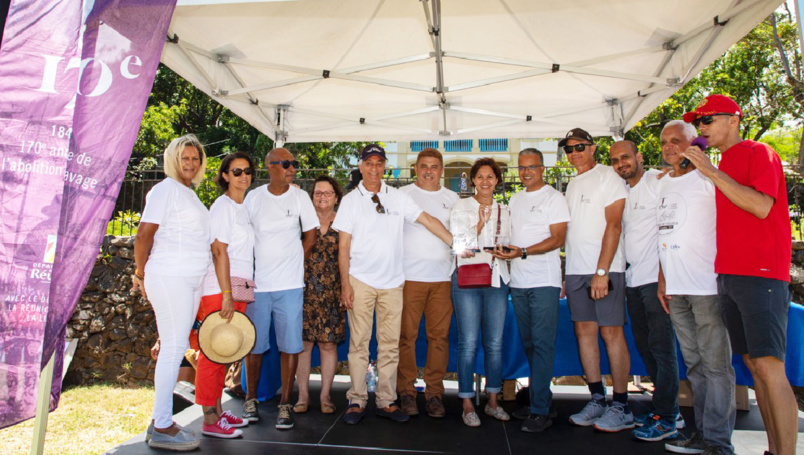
(376, 199)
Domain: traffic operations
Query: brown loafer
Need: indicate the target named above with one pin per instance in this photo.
(435, 408)
(300, 408)
(327, 408)
(408, 405)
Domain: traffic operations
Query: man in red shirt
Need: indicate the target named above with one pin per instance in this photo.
(753, 258)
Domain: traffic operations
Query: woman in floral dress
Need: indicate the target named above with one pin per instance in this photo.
(324, 319)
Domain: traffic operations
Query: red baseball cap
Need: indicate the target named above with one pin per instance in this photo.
(714, 104)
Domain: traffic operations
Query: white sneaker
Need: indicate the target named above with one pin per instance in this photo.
(589, 414)
(615, 419)
(680, 423)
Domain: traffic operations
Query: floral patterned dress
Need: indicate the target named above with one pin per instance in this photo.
(324, 319)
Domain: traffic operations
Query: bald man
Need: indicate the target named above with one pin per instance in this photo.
(284, 223)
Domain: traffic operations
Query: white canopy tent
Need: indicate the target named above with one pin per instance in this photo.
(338, 70)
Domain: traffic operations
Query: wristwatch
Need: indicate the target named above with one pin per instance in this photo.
(524, 253)
(601, 272)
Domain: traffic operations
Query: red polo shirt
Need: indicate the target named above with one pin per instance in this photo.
(747, 245)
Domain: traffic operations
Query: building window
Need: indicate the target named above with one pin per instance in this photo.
(460, 145)
(493, 145)
(418, 146)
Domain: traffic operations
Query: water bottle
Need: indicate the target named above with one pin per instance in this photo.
(371, 376)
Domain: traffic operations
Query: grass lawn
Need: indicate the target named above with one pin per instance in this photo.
(89, 420)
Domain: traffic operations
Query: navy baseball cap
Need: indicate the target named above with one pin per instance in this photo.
(372, 150)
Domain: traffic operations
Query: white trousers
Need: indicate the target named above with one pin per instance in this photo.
(175, 301)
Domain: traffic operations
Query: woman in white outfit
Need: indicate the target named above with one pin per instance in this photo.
(172, 255)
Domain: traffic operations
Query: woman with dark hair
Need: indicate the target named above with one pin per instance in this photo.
(484, 307)
(324, 318)
(232, 240)
(172, 255)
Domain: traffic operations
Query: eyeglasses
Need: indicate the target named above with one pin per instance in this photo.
(576, 148)
(323, 193)
(376, 199)
(532, 167)
(707, 119)
(237, 171)
(286, 163)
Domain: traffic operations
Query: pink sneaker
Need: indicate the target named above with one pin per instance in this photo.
(221, 429)
(233, 420)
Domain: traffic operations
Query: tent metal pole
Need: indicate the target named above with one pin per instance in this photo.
(42, 407)
(721, 17)
(549, 67)
(254, 101)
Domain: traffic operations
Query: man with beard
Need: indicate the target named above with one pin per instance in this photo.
(651, 325)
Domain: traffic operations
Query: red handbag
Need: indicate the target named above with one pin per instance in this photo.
(472, 276)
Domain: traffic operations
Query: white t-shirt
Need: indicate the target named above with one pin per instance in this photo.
(181, 243)
(230, 225)
(278, 223)
(470, 206)
(426, 257)
(687, 248)
(588, 195)
(532, 213)
(375, 256)
(640, 231)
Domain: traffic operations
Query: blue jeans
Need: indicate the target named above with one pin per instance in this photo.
(536, 312)
(656, 342)
(705, 346)
(473, 308)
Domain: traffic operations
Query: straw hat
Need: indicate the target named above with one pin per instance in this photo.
(226, 343)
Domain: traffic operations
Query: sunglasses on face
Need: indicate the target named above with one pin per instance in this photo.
(576, 148)
(532, 167)
(707, 119)
(286, 163)
(237, 171)
(376, 199)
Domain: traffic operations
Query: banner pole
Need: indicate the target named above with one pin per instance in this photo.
(42, 407)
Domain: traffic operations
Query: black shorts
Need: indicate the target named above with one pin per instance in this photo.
(754, 310)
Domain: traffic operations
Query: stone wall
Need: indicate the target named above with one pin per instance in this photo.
(115, 328)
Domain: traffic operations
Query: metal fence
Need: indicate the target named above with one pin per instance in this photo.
(131, 199)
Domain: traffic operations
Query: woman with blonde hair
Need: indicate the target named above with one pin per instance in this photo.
(172, 255)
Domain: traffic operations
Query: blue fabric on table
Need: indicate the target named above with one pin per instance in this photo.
(567, 362)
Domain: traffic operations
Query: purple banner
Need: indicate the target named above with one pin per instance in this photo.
(71, 103)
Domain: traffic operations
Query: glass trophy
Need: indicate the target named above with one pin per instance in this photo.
(463, 226)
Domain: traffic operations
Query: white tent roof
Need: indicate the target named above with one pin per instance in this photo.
(337, 70)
